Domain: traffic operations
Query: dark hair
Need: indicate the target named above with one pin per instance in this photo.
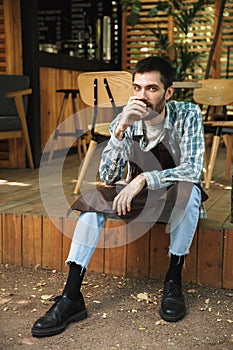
(158, 64)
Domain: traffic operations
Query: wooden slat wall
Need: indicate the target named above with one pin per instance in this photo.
(11, 151)
(227, 40)
(10, 37)
(2, 39)
(138, 42)
(33, 240)
(13, 36)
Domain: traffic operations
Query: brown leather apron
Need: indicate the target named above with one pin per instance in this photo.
(148, 205)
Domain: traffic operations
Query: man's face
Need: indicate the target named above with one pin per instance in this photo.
(149, 86)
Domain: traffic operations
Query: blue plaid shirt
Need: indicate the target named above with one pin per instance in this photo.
(183, 123)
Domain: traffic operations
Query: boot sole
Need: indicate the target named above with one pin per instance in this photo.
(167, 318)
(59, 329)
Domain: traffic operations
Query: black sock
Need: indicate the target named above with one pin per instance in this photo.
(74, 281)
(175, 268)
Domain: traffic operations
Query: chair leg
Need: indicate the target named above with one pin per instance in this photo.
(21, 113)
(205, 168)
(86, 162)
(84, 144)
(79, 150)
(229, 145)
(75, 111)
(81, 142)
(213, 155)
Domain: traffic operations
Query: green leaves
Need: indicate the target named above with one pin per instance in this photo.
(135, 7)
(133, 19)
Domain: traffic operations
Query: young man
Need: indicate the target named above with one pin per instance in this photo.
(162, 143)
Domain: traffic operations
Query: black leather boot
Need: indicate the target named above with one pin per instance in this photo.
(173, 305)
(63, 312)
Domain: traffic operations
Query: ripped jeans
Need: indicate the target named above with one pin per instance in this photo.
(90, 225)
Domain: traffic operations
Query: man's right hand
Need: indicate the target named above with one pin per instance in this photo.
(134, 110)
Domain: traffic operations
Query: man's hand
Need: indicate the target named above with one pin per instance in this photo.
(122, 202)
(133, 111)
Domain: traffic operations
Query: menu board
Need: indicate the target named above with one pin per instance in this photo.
(66, 19)
(80, 21)
(51, 16)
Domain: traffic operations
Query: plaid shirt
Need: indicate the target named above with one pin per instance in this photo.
(183, 125)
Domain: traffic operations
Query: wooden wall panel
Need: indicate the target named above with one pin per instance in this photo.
(1, 239)
(138, 251)
(139, 41)
(159, 259)
(97, 261)
(115, 248)
(48, 111)
(52, 79)
(10, 37)
(52, 243)
(228, 260)
(11, 62)
(159, 245)
(31, 240)
(2, 38)
(12, 239)
(227, 39)
(13, 37)
(68, 227)
(210, 257)
(189, 273)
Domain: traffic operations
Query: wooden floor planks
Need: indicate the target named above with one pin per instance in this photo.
(20, 190)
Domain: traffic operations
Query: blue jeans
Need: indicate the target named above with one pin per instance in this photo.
(90, 225)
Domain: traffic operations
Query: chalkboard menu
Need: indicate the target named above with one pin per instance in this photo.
(89, 29)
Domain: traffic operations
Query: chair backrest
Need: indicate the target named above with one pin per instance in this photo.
(120, 83)
(9, 83)
(214, 92)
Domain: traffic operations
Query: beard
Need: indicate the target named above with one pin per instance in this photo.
(157, 109)
(160, 105)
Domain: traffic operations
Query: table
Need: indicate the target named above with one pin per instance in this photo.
(187, 84)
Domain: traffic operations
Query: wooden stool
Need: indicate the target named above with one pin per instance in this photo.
(78, 133)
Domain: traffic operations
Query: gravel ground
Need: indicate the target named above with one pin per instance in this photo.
(123, 314)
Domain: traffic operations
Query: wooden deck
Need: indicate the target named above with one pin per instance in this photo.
(34, 230)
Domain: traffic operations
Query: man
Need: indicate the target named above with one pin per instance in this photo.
(162, 143)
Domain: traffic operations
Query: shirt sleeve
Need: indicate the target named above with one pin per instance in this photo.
(191, 147)
(114, 157)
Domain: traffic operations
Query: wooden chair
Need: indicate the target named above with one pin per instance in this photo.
(216, 93)
(14, 91)
(110, 89)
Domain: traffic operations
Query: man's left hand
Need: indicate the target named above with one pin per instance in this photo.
(122, 202)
